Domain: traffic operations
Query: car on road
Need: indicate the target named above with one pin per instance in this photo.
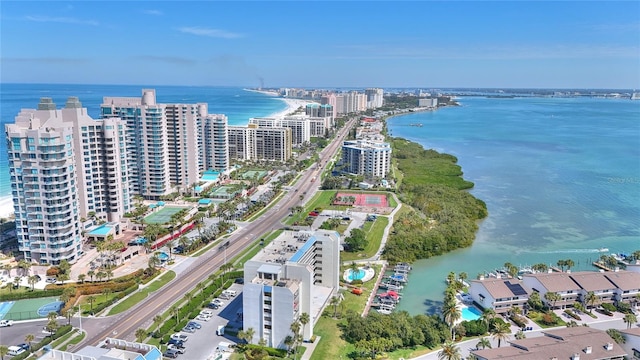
(181, 337)
(179, 349)
(5, 323)
(171, 354)
(194, 324)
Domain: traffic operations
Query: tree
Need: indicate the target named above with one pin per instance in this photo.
(561, 264)
(81, 278)
(304, 320)
(250, 333)
(569, 264)
(511, 269)
(29, 339)
(540, 267)
(630, 319)
(552, 297)
(225, 268)
(91, 299)
(451, 314)
(52, 327)
(616, 335)
(357, 240)
(32, 281)
(4, 350)
(590, 300)
(156, 321)
(450, 351)
(500, 332)
(534, 301)
(91, 274)
(520, 335)
(69, 314)
(483, 343)
(16, 281)
(334, 301)
(288, 342)
(141, 334)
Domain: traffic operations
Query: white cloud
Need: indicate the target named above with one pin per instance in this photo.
(214, 33)
(64, 20)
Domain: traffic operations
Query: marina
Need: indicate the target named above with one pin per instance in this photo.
(388, 295)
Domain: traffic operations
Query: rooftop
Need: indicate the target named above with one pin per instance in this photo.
(504, 288)
(592, 281)
(556, 281)
(285, 247)
(624, 280)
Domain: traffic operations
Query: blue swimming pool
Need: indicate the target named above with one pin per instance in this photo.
(101, 230)
(357, 276)
(210, 175)
(163, 256)
(470, 313)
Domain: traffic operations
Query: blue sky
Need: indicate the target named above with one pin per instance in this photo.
(500, 44)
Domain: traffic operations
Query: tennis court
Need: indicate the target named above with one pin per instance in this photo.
(163, 216)
(247, 175)
(372, 200)
(31, 308)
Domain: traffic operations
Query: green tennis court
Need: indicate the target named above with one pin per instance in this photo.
(163, 216)
(33, 308)
(247, 175)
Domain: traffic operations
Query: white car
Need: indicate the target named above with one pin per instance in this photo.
(207, 312)
(202, 317)
(181, 337)
(218, 302)
(180, 350)
(5, 323)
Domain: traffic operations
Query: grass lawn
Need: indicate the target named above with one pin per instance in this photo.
(99, 299)
(142, 293)
(537, 318)
(74, 341)
(322, 199)
(57, 342)
(391, 200)
(374, 231)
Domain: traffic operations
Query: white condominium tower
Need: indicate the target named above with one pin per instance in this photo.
(253, 142)
(64, 165)
(368, 158)
(169, 144)
(375, 97)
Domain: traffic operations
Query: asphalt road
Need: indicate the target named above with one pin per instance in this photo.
(124, 325)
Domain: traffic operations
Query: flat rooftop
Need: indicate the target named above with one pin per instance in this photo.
(287, 247)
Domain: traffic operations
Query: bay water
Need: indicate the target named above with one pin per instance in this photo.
(560, 176)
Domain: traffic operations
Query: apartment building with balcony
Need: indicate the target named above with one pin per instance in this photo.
(253, 142)
(63, 166)
(499, 294)
(296, 273)
(216, 142)
(560, 283)
(627, 286)
(362, 157)
(596, 282)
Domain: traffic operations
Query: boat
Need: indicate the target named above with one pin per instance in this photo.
(603, 249)
(416, 125)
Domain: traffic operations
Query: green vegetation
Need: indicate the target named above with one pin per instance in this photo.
(374, 231)
(444, 216)
(143, 293)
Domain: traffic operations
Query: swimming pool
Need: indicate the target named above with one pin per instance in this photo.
(163, 256)
(101, 230)
(357, 276)
(470, 313)
(210, 175)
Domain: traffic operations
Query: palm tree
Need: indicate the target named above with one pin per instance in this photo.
(451, 314)
(157, 320)
(91, 299)
(590, 300)
(561, 264)
(175, 311)
(91, 274)
(141, 334)
(630, 319)
(69, 314)
(520, 335)
(32, 281)
(552, 297)
(569, 264)
(483, 343)
(29, 339)
(250, 332)
(500, 332)
(304, 320)
(334, 301)
(616, 335)
(4, 350)
(450, 351)
(288, 342)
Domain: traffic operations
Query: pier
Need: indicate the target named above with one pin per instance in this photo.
(601, 266)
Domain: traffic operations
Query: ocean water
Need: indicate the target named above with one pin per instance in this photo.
(237, 104)
(560, 176)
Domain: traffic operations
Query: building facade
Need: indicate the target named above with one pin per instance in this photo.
(297, 273)
(253, 142)
(64, 166)
(367, 158)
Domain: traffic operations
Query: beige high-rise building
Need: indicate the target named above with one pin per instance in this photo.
(253, 142)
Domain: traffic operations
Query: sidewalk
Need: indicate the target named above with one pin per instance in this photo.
(310, 348)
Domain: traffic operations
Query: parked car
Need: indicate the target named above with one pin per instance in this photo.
(218, 302)
(194, 324)
(179, 349)
(176, 342)
(24, 346)
(189, 329)
(171, 354)
(207, 312)
(5, 323)
(213, 306)
(203, 317)
(181, 337)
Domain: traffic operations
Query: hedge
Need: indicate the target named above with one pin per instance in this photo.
(609, 307)
(280, 353)
(518, 320)
(30, 294)
(572, 314)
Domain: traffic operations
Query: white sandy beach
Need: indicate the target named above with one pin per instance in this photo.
(292, 106)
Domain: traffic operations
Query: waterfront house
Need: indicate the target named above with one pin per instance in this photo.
(596, 282)
(632, 342)
(499, 294)
(558, 282)
(573, 343)
(627, 286)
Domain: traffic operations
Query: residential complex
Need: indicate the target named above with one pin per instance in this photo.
(109, 349)
(500, 294)
(363, 157)
(254, 142)
(573, 343)
(296, 273)
(66, 166)
(63, 166)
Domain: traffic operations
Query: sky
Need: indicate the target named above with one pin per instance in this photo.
(479, 44)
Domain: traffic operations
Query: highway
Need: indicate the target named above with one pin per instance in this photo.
(124, 325)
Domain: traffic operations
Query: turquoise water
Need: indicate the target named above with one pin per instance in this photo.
(100, 230)
(355, 276)
(470, 313)
(560, 176)
(210, 175)
(163, 256)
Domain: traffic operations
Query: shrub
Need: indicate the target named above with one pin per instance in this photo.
(548, 319)
(475, 327)
(605, 312)
(609, 307)
(356, 282)
(519, 320)
(31, 294)
(572, 314)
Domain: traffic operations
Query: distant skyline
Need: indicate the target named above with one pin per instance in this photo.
(428, 44)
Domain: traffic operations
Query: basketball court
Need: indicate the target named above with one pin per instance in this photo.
(29, 308)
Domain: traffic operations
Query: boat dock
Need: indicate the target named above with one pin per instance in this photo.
(601, 266)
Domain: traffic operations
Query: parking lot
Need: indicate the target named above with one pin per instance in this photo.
(202, 343)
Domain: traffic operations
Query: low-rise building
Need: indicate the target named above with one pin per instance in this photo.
(560, 283)
(109, 349)
(627, 286)
(574, 343)
(499, 294)
(632, 342)
(596, 282)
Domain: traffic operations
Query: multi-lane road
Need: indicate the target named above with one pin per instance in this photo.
(124, 325)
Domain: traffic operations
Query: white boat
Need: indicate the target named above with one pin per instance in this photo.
(603, 249)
